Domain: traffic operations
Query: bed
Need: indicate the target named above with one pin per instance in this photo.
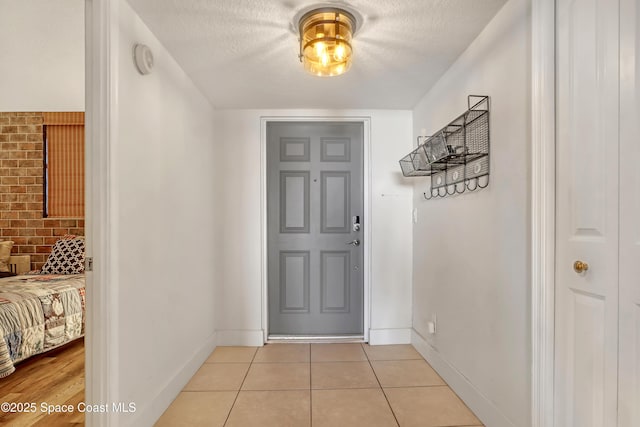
(40, 312)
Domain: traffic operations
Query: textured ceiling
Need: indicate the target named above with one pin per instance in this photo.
(243, 54)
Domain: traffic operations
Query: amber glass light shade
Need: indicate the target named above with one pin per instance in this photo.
(325, 41)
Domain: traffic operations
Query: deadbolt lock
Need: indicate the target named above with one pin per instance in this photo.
(355, 222)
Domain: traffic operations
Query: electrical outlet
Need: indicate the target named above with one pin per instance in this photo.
(414, 214)
(433, 325)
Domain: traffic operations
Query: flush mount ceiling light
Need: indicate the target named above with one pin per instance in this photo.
(325, 40)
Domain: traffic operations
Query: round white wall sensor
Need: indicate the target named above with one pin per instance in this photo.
(143, 58)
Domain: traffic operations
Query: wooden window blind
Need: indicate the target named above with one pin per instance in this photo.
(64, 164)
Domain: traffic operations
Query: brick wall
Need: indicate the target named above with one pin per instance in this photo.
(21, 190)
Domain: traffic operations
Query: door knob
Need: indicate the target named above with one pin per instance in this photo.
(355, 242)
(580, 267)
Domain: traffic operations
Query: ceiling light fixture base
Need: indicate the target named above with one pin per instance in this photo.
(294, 25)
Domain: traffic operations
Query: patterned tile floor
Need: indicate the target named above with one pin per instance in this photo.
(317, 385)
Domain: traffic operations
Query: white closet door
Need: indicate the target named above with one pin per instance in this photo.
(586, 339)
(629, 214)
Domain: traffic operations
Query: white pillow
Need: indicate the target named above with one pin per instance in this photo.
(5, 253)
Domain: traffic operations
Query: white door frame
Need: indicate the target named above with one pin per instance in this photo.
(543, 189)
(101, 340)
(366, 122)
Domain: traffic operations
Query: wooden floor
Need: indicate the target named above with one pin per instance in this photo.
(53, 378)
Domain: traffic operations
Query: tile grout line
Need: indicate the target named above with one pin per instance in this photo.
(379, 384)
(349, 388)
(420, 386)
(313, 389)
(240, 388)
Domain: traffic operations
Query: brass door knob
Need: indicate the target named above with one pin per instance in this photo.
(580, 267)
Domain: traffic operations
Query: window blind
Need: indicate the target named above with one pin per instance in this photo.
(65, 164)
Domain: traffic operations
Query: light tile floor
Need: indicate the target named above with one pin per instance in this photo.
(304, 385)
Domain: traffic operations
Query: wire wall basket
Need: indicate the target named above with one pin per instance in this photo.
(457, 156)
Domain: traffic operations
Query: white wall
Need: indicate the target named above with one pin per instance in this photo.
(239, 309)
(471, 251)
(41, 55)
(166, 233)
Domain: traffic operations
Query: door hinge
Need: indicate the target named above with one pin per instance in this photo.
(88, 264)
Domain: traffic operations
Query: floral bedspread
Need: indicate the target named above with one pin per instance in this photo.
(38, 313)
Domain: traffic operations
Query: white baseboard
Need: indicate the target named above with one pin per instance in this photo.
(484, 409)
(247, 337)
(149, 414)
(389, 336)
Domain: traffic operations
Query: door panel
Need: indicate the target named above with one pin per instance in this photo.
(335, 281)
(314, 189)
(294, 149)
(586, 322)
(629, 398)
(335, 149)
(335, 202)
(586, 122)
(294, 202)
(586, 338)
(294, 286)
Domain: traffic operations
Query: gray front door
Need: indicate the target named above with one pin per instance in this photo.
(315, 218)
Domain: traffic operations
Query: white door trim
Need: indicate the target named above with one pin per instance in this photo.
(366, 121)
(101, 348)
(543, 189)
